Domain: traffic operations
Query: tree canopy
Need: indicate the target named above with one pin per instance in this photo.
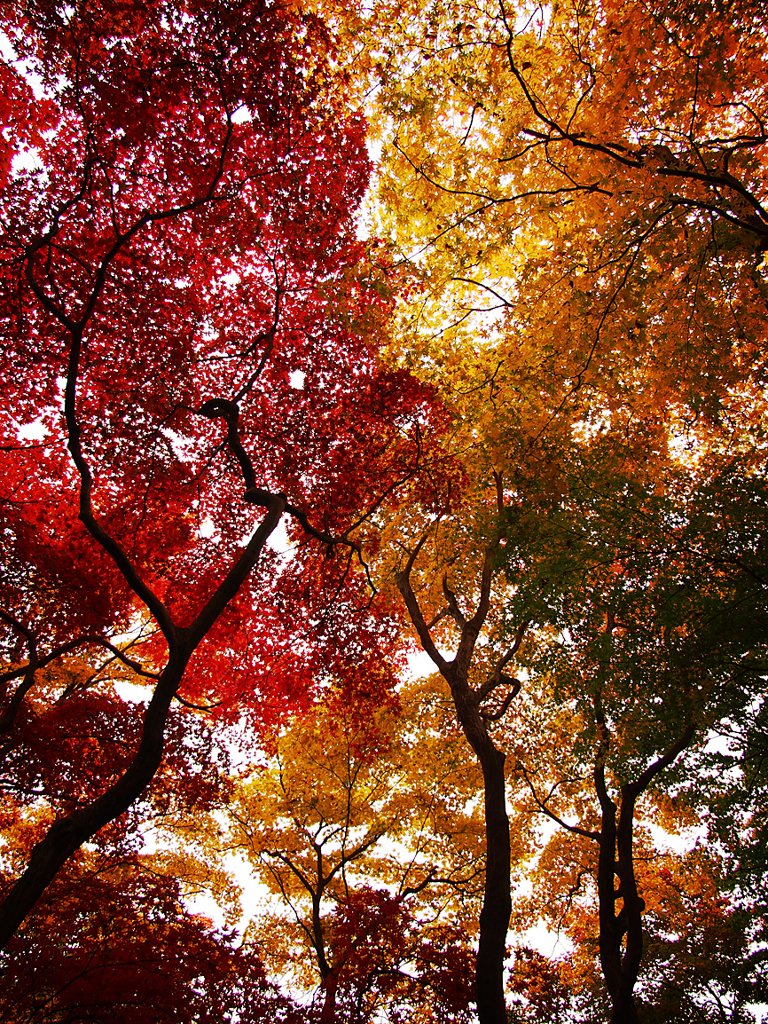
(279, 416)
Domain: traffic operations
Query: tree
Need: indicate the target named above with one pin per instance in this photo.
(468, 695)
(362, 834)
(657, 645)
(600, 193)
(112, 940)
(632, 617)
(577, 195)
(193, 326)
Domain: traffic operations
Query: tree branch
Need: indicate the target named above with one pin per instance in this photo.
(497, 679)
(453, 605)
(541, 804)
(403, 580)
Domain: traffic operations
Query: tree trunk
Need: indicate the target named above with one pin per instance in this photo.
(68, 833)
(621, 966)
(330, 988)
(497, 901)
(71, 831)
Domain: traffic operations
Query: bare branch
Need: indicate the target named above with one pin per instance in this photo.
(412, 604)
(542, 805)
(494, 716)
(498, 678)
(438, 618)
(8, 718)
(634, 789)
(453, 605)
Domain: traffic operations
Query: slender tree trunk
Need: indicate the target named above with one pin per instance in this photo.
(620, 967)
(68, 833)
(624, 1009)
(621, 963)
(330, 988)
(329, 977)
(497, 900)
(610, 936)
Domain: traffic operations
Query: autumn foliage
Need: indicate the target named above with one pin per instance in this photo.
(273, 423)
(173, 386)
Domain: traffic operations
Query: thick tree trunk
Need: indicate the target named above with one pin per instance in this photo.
(497, 901)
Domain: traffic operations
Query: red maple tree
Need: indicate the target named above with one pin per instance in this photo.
(190, 332)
